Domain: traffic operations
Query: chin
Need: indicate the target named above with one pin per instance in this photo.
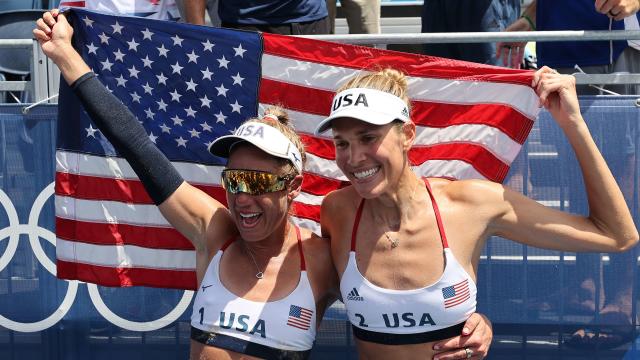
(368, 190)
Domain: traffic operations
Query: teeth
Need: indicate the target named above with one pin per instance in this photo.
(246, 216)
(366, 173)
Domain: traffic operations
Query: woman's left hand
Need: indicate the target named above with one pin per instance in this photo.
(473, 343)
(557, 94)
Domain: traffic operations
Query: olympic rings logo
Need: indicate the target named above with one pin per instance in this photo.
(35, 232)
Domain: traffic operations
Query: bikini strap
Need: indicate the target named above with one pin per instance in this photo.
(443, 237)
(303, 266)
(356, 223)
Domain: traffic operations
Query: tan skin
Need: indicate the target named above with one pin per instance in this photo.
(471, 210)
(272, 240)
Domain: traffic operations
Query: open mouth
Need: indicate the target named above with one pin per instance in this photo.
(249, 219)
(366, 173)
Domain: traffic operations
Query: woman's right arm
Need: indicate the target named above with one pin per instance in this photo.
(189, 210)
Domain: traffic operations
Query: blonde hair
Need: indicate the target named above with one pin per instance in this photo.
(278, 118)
(389, 80)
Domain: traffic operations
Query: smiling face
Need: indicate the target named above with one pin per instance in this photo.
(258, 216)
(373, 157)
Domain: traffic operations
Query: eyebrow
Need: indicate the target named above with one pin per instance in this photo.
(359, 133)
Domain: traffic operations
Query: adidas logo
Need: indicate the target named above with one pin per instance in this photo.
(354, 296)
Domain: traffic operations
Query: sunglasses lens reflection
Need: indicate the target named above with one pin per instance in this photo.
(252, 182)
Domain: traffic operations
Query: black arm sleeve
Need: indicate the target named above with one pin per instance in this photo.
(128, 137)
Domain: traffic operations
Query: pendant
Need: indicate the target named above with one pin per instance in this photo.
(260, 275)
(394, 242)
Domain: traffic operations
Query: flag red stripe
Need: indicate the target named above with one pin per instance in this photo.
(121, 234)
(125, 277)
(295, 97)
(298, 321)
(458, 302)
(318, 102)
(301, 327)
(458, 299)
(320, 147)
(340, 55)
(306, 211)
(124, 190)
(482, 160)
(319, 185)
(100, 188)
(458, 295)
(511, 122)
(73, 3)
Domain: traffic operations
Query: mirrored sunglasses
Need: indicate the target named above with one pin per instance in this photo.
(253, 182)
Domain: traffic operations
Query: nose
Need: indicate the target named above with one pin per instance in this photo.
(241, 198)
(356, 154)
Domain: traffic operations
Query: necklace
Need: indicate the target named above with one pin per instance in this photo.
(395, 242)
(259, 273)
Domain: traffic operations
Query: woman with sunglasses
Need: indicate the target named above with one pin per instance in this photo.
(409, 247)
(263, 283)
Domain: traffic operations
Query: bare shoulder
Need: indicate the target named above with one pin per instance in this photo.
(341, 198)
(474, 193)
(317, 251)
(318, 248)
(219, 234)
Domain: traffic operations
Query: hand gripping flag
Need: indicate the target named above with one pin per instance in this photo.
(189, 84)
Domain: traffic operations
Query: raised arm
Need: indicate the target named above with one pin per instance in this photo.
(188, 209)
(609, 225)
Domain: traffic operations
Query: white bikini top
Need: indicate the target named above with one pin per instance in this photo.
(434, 312)
(284, 328)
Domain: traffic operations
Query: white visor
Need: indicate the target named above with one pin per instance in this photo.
(369, 105)
(265, 137)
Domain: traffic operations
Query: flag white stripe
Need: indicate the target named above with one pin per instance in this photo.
(455, 169)
(103, 211)
(118, 168)
(329, 77)
(125, 256)
(491, 138)
(307, 224)
(135, 214)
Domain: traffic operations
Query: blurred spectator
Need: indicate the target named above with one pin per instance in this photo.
(465, 16)
(363, 16)
(287, 17)
(153, 9)
(614, 300)
(193, 11)
(593, 57)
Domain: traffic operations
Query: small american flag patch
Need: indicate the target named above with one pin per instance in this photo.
(456, 294)
(299, 317)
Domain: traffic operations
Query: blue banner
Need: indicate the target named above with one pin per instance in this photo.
(537, 299)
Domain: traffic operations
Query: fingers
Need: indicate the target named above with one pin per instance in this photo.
(450, 344)
(505, 55)
(48, 18)
(461, 354)
(516, 56)
(537, 76)
(471, 324)
(40, 35)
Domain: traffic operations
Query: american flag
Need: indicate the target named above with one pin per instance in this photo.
(189, 84)
(299, 317)
(456, 294)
